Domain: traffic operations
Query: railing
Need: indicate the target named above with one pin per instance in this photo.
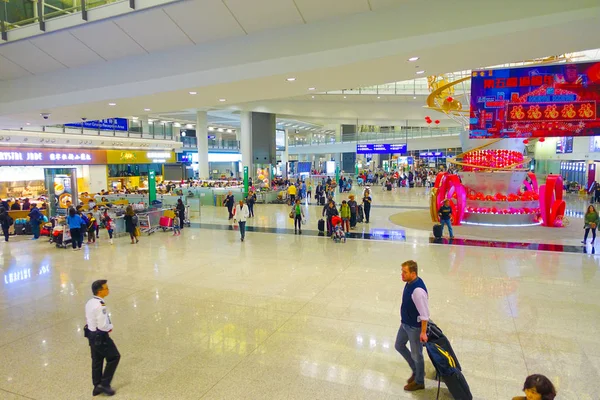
(157, 131)
(402, 134)
(16, 14)
(192, 143)
(417, 86)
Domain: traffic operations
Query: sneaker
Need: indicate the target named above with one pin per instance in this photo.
(414, 386)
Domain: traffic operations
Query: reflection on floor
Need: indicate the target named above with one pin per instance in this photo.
(284, 316)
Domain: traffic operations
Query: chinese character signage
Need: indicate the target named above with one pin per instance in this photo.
(50, 156)
(381, 148)
(540, 101)
(110, 124)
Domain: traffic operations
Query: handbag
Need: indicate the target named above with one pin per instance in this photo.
(137, 232)
(593, 225)
(292, 214)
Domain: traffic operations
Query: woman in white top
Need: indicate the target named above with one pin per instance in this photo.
(241, 214)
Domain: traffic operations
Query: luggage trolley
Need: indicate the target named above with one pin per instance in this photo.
(61, 236)
(149, 221)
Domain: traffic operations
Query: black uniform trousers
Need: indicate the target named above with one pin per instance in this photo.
(103, 348)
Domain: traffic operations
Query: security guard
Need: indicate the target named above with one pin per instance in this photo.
(102, 346)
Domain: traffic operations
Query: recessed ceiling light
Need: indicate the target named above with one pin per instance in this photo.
(222, 100)
(311, 88)
(313, 97)
(229, 130)
(414, 97)
(146, 109)
(193, 93)
(413, 59)
(221, 130)
(210, 128)
(112, 104)
(27, 123)
(420, 72)
(378, 97)
(345, 97)
(134, 118)
(291, 79)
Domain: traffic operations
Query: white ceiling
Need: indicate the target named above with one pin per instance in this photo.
(243, 50)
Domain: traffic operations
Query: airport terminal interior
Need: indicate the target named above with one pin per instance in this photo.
(249, 178)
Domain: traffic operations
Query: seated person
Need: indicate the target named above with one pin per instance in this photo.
(16, 206)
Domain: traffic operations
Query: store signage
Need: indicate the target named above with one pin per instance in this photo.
(139, 157)
(110, 124)
(159, 156)
(15, 156)
(431, 154)
(381, 148)
(536, 101)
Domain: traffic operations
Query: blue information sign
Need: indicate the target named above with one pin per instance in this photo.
(381, 148)
(110, 124)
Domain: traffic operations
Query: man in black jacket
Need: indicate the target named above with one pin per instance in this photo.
(5, 221)
(229, 202)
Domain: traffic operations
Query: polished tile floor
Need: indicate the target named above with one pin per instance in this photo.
(284, 316)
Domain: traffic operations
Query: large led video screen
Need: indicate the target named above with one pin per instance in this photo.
(539, 101)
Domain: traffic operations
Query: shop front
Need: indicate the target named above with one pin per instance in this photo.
(130, 168)
(220, 165)
(44, 175)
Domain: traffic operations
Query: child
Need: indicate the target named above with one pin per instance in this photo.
(108, 225)
(91, 228)
(345, 214)
(338, 231)
(176, 225)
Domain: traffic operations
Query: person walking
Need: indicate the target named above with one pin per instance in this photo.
(414, 313)
(367, 205)
(180, 212)
(353, 211)
(292, 193)
(131, 221)
(591, 221)
(445, 213)
(35, 219)
(250, 201)
(5, 221)
(92, 225)
(597, 193)
(75, 222)
(309, 191)
(108, 224)
(345, 214)
(330, 212)
(298, 214)
(229, 203)
(98, 215)
(241, 214)
(97, 331)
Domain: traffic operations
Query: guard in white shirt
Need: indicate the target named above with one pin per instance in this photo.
(102, 346)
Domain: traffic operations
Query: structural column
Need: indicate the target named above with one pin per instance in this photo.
(246, 140)
(285, 155)
(202, 140)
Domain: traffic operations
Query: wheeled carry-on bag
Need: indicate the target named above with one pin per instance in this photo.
(437, 231)
(360, 215)
(446, 364)
(322, 200)
(321, 225)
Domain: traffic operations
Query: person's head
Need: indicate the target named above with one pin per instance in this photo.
(241, 203)
(591, 209)
(351, 197)
(344, 202)
(26, 200)
(229, 193)
(410, 271)
(100, 288)
(297, 201)
(179, 201)
(129, 211)
(95, 208)
(538, 387)
(72, 212)
(90, 215)
(447, 202)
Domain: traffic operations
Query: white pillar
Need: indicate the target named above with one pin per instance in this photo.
(285, 157)
(246, 140)
(202, 140)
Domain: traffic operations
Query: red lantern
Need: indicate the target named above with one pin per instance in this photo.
(449, 99)
(525, 141)
(427, 118)
(437, 121)
(542, 140)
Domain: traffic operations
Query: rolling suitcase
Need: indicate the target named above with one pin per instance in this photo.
(360, 215)
(321, 225)
(446, 364)
(437, 231)
(322, 200)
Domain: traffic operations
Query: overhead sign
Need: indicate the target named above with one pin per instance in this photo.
(381, 148)
(539, 101)
(432, 154)
(110, 124)
(45, 156)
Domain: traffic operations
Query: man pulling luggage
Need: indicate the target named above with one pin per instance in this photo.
(414, 314)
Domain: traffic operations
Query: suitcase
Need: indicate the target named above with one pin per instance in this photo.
(165, 222)
(458, 386)
(437, 231)
(322, 200)
(169, 214)
(321, 225)
(360, 215)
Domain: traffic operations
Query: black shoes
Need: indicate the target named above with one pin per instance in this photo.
(107, 390)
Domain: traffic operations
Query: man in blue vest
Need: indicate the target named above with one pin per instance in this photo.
(414, 314)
